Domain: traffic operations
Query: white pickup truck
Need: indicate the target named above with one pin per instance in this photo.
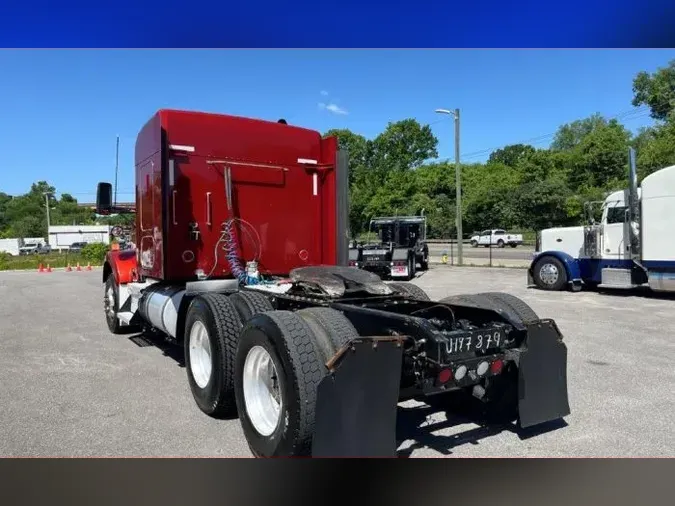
(496, 237)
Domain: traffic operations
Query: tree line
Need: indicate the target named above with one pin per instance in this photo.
(519, 187)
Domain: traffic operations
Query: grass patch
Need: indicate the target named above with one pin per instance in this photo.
(55, 260)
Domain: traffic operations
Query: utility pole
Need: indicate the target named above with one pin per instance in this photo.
(458, 184)
(458, 188)
(47, 195)
(117, 161)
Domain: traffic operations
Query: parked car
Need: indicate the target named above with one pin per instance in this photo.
(496, 237)
(35, 248)
(76, 247)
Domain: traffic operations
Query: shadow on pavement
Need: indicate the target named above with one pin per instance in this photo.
(414, 424)
(148, 338)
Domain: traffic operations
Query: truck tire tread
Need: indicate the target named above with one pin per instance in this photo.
(294, 340)
(334, 329)
(518, 306)
(223, 325)
(249, 303)
(410, 289)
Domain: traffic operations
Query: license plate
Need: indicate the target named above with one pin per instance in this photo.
(403, 271)
(475, 341)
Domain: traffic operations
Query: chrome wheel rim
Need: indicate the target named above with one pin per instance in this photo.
(262, 395)
(200, 354)
(548, 274)
(109, 302)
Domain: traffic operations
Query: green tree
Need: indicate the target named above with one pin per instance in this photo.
(570, 135)
(656, 90)
(404, 145)
(656, 148)
(511, 155)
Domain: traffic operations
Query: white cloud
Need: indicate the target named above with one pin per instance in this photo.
(324, 93)
(334, 108)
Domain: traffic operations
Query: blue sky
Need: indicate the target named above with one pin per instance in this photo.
(60, 111)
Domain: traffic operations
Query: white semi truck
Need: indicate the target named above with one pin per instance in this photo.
(632, 246)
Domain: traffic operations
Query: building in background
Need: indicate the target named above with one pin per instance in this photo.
(62, 236)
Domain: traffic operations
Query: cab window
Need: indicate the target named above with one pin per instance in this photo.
(616, 214)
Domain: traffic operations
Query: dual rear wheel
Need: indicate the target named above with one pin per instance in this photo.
(245, 358)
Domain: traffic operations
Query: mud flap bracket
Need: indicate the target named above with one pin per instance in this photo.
(542, 376)
(357, 402)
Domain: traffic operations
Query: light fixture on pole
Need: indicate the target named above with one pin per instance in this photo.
(458, 182)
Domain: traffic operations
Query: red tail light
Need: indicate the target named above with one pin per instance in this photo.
(497, 366)
(444, 376)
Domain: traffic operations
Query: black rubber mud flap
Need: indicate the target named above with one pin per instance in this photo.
(542, 376)
(357, 402)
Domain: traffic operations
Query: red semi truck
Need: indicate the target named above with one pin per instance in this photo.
(241, 258)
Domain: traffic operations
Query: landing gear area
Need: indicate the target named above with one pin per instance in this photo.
(317, 365)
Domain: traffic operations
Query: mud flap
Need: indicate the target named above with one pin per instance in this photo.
(542, 376)
(357, 402)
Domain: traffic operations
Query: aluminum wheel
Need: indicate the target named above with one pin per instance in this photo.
(200, 354)
(262, 395)
(549, 274)
(109, 302)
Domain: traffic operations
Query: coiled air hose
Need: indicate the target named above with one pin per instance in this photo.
(232, 255)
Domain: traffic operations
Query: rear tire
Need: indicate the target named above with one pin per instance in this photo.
(331, 328)
(212, 328)
(549, 274)
(249, 303)
(410, 290)
(518, 306)
(281, 423)
(513, 245)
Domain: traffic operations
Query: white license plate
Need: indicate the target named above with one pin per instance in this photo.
(399, 271)
(474, 342)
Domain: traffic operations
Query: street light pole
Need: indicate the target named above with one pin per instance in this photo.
(458, 189)
(458, 184)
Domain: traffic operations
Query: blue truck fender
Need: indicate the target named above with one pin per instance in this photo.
(570, 263)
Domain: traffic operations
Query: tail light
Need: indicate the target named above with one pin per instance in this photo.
(497, 366)
(444, 376)
(537, 242)
(353, 263)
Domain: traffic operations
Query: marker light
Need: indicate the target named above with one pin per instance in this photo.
(460, 372)
(482, 368)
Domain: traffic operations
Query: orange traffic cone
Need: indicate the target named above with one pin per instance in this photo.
(78, 267)
(49, 269)
(40, 268)
(69, 268)
(88, 266)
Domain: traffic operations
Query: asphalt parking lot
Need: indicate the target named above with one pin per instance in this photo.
(69, 388)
